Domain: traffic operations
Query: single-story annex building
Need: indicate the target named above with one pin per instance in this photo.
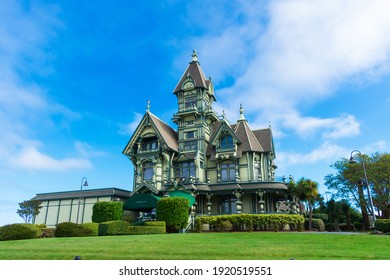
(74, 206)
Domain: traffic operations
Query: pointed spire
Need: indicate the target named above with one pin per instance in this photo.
(148, 106)
(194, 56)
(223, 114)
(242, 118)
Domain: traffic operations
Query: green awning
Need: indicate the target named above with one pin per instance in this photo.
(183, 194)
(141, 202)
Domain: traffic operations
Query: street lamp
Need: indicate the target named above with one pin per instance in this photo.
(81, 188)
(352, 160)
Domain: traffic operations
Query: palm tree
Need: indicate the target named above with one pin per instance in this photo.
(306, 190)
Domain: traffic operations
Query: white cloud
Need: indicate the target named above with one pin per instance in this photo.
(303, 53)
(378, 146)
(330, 128)
(32, 159)
(85, 150)
(129, 128)
(25, 109)
(326, 152)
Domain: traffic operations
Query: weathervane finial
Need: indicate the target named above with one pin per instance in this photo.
(194, 55)
(241, 113)
(148, 106)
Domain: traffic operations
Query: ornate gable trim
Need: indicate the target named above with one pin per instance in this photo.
(223, 130)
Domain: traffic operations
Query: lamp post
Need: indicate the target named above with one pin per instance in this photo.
(352, 160)
(81, 188)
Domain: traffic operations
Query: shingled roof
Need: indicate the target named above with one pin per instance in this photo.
(168, 133)
(249, 142)
(196, 73)
(264, 136)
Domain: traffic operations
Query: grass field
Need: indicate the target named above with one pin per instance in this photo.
(211, 246)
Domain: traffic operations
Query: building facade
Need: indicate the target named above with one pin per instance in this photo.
(227, 168)
(74, 206)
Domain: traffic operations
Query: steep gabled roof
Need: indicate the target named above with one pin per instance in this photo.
(249, 142)
(195, 72)
(222, 128)
(264, 136)
(167, 133)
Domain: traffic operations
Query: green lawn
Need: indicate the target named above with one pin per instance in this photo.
(212, 246)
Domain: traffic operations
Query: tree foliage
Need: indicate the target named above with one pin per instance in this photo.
(29, 209)
(349, 183)
(306, 191)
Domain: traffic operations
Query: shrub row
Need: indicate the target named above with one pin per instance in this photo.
(251, 222)
(383, 225)
(69, 229)
(114, 228)
(124, 228)
(138, 230)
(19, 231)
(317, 224)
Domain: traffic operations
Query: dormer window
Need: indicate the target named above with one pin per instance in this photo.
(149, 144)
(227, 142)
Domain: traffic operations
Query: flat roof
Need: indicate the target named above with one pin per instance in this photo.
(84, 193)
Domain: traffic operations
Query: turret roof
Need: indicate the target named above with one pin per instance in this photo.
(195, 72)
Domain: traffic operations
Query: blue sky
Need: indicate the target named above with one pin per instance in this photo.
(75, 78)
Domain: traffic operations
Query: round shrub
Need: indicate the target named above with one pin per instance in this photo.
(19, 231)
(317, 224)
(103, 211)
(174, 211)
(69, 229)
(225, 225)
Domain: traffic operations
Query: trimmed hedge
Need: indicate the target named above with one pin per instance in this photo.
(383, 225)
(317, 224)
(69, 229)
(155, 223)
(252, 221)
(114, 228)
(93, 227)
(19, 231)
(104, 211)
(174, 211)
(138, 230)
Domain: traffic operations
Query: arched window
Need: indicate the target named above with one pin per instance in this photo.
(147, 171)
(228, 171)
(227, 142)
